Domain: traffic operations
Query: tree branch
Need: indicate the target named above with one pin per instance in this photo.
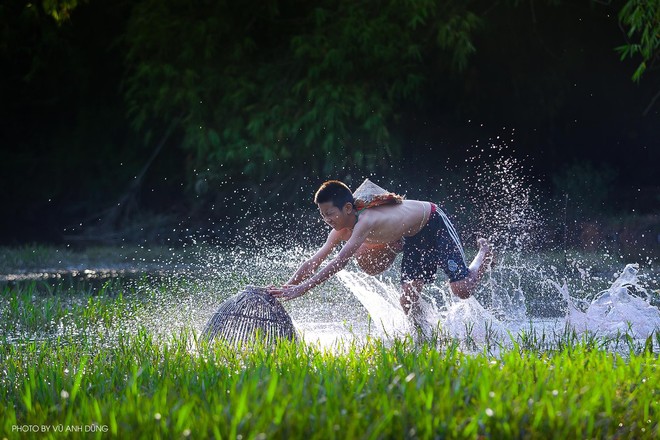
(648, 107)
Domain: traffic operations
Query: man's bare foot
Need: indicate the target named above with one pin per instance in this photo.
(465, 287)
(486, 249)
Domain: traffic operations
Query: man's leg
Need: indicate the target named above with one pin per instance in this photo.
(412, 305)
(410, 291)
(465, 287)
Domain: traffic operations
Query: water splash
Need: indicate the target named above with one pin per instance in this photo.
(354, 305)
(380, 298)
(623, 308)
(526, 289)
(619, 309)
(523, 291)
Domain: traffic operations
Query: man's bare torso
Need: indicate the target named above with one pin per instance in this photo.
(389, 223)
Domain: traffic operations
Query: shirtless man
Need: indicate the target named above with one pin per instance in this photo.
(430, 241)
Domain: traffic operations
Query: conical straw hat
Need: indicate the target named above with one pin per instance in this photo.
(367, 191)
(369, 194)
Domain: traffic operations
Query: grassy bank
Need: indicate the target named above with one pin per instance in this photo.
(100, 377)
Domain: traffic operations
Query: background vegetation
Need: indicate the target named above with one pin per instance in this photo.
(133, 116)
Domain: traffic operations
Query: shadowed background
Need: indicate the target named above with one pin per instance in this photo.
(154, 120)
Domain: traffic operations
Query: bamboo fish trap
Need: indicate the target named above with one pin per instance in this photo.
(250, 315)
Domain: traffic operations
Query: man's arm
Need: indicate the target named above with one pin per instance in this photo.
(338, 263)
(334, 266)
(308, 268)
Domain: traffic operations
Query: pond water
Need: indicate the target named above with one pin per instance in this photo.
(528, 290)
(520, 294)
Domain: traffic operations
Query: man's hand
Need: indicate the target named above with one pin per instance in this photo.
(286, 292)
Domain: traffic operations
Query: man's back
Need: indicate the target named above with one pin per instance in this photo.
(388, 223)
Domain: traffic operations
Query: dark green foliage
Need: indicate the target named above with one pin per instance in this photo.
(257, 83)
(261, 93)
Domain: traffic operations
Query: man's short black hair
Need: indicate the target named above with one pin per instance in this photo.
(334, 191)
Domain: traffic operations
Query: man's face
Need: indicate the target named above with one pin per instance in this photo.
(335, 217)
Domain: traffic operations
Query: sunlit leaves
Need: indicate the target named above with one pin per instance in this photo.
(60, 10)
(641, 19)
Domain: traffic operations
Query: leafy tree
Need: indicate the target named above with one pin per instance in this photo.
(254, 88)
(256, 83)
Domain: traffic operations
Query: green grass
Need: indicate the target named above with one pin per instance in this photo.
(79, 360)
(143, 388)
